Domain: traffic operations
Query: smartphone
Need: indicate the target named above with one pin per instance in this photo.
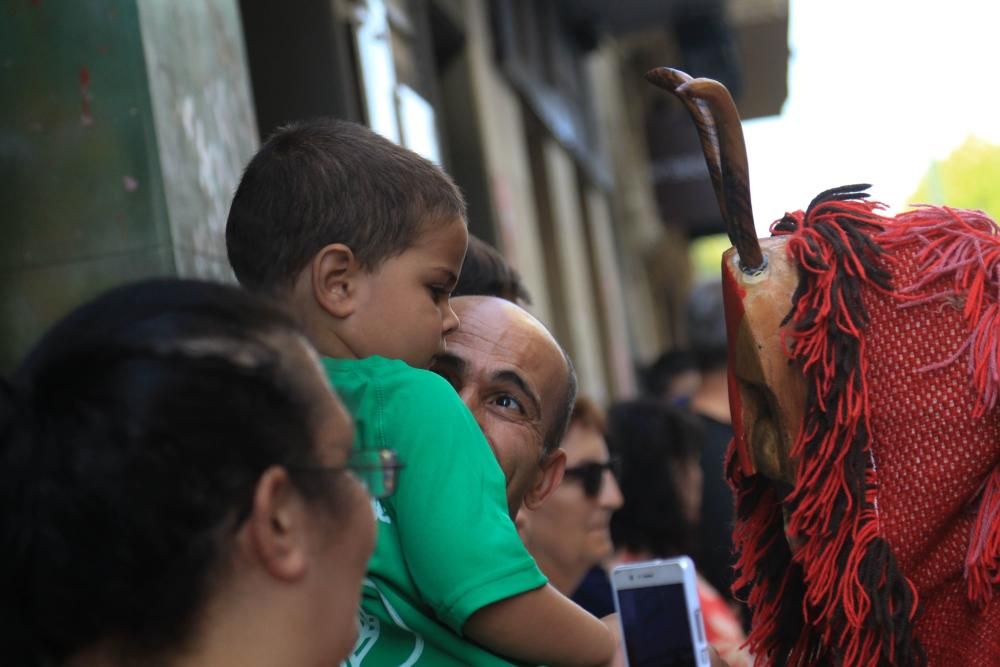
(659, 613)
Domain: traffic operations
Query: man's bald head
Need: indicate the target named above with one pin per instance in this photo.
(518, 383)
(493, 316)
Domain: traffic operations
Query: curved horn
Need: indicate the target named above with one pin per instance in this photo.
(713, 100)
(735, 172)
(671, 80)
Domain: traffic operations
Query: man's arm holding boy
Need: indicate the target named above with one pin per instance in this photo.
(543, 626)
(491, 622)
(464, 552)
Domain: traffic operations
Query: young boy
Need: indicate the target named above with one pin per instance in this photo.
(366, 240)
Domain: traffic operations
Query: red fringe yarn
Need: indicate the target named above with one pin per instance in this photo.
(982, 562)
(768, 580)
(961, 249)
(960, 261)
(853, 605)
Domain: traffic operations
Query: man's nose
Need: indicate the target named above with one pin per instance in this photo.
(611, 495)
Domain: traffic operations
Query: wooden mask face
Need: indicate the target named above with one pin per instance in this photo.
(766, 392)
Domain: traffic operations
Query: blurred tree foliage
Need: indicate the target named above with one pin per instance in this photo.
(706, 256)
(968, 178)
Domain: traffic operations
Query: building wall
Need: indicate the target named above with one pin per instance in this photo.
(119, 146)
(80, 181)
(604, 272)
(638, 230)
(504, 142)
(609, 291)
(568, 253)
(205, 126)
(554, 224)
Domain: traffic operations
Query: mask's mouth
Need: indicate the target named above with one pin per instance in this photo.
(794, 543)
(769, 452)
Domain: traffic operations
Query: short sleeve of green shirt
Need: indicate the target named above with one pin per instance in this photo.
(460, 548)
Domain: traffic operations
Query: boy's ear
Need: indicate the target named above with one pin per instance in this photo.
(553, 467)
(334, 274)
(276, 530)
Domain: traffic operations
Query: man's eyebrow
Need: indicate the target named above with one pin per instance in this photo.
(515, 378)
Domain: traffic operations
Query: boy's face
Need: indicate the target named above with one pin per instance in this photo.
(403, 310)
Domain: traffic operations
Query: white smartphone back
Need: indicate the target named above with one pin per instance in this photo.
(660, 615)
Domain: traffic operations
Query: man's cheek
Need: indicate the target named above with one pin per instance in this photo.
(494, 437)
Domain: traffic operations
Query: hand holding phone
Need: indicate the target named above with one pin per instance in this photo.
(660, 615)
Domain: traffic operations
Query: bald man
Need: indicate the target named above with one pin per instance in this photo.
(519, 385)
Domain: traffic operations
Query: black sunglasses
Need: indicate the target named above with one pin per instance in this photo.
(591, 475)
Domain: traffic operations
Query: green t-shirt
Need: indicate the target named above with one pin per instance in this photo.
(446, 544)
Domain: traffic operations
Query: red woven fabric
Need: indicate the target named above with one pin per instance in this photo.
(901, 433)
(932, 455)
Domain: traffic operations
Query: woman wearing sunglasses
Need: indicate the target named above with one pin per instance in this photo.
(568, 533)
(176, 487)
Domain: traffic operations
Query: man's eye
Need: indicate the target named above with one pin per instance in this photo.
(438, 292)
(508, 402)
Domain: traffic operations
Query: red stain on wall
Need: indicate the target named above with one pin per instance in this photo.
(86, 119)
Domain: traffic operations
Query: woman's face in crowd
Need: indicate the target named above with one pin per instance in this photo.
(688, 480)
(343, 528)
(572, 527)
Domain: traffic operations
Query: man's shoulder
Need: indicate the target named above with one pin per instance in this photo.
(395, 385)
(403, 382)
(386, 372)
(378, 369)
(369, 367)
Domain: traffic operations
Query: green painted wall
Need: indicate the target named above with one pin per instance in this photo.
(205, 124)
(89, 198)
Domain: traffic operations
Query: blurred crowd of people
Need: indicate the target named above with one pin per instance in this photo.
(370, 452)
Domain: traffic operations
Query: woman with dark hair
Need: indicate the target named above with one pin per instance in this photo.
(176, 488)
(660, 478)
(657, 448)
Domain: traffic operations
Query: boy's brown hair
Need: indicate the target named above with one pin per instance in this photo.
(329, 181)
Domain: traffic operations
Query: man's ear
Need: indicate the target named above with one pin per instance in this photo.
(552, 469)
(334, 273)
(277, 528)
